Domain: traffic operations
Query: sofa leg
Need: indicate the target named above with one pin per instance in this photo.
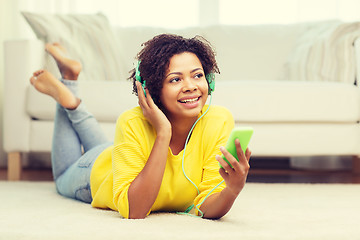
(356, 165)
(14, 166)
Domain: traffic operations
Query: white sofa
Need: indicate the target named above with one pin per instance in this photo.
(291, 115)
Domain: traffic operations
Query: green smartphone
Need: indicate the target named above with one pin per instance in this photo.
(244, 135)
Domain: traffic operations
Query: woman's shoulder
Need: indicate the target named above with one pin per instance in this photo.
(216, 126)
(132, 123)
(217, 119)
(219, 113)
(131, 116)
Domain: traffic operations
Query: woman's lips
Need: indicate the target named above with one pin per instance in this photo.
(190, 102)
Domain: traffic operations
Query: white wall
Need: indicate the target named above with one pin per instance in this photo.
(286, 11)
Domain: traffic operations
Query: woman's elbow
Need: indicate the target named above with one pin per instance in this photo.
(137, 215)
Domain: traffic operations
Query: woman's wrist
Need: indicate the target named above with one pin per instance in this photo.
(230, 193)
(164, 134)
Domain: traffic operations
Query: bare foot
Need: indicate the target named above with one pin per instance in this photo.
(69, 68)
(46, 83)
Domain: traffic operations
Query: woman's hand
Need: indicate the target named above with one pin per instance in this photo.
(152, 113)
(218, 204)
(235, 177)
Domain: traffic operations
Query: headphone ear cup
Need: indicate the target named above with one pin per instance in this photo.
(210, 77)
(138, 77)
(137, 72)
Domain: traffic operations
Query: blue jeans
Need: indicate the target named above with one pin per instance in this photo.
(77, 142)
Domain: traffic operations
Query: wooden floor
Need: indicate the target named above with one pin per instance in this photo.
(302, 176)
(263, 170)
(255, 175)
(30, 175)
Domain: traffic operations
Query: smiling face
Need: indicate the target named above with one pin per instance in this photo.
(185, 89)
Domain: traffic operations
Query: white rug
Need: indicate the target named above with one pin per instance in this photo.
(33, 210)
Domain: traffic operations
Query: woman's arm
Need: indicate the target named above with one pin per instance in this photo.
(144, 189)
(218, 204)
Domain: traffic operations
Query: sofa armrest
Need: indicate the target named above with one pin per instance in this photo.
(22, 58)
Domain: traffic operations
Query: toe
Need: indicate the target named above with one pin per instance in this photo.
(38, 72)
(33, 80)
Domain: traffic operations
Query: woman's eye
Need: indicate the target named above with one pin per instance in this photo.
(199, 75)
(173, 80)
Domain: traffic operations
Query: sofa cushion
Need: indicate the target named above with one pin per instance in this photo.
(249, 101)
(106, 100)
(87, 38)
(279, 101)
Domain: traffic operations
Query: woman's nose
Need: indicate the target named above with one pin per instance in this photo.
(189, 85)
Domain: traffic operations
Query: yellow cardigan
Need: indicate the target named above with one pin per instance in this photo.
(116, 168)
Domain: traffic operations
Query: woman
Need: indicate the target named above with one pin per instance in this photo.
(164, 154)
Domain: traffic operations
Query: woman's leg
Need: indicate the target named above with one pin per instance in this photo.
(74, 179)
(66, 148)
(83, 122)
(73, 128)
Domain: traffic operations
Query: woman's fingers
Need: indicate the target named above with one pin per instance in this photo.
(220, 160)
(144, 99)
(223, 173)
(149, 99)
(141, 95)
(248, 154)
(236, 166)
(233, 163)
(239, 151)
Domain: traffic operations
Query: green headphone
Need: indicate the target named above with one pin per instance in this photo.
(210, 78)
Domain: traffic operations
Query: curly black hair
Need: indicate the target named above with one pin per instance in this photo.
(155, 57)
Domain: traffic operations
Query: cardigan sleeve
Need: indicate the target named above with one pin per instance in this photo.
(132, 147)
